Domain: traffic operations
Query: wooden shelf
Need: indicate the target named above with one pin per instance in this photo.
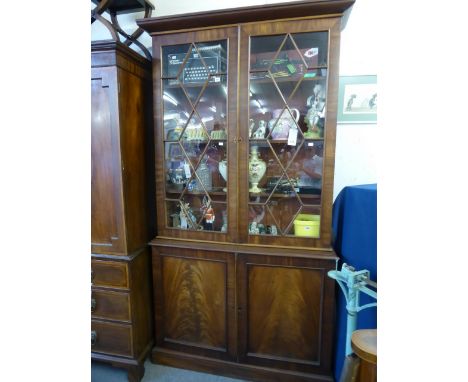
(286, 79)
(196, 193)
(285, 140)
(195, 84)
(199, 141)
(286, 196)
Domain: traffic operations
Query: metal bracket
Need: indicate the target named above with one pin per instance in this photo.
(352, 283)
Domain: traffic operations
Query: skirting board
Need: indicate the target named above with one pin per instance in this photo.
(232, 369)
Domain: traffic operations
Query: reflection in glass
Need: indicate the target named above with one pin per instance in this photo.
(287, 111)
(306, 223)
(197, 213)
(194, 98)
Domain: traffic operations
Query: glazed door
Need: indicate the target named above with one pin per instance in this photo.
(285, 312)
(194, 299)
(288, 95)
(196, 134)
(107, 228)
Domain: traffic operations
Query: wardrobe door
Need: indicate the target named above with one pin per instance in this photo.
(106, 192)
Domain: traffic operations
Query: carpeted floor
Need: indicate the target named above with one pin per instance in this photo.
(101, 372)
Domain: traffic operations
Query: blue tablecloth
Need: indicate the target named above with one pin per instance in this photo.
(355, 242)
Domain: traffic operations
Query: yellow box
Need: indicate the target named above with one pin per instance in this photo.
(307, 225)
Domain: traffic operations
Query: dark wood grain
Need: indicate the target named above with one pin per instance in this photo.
(106, 206)
(194, 301)
(123, 297)
(256, 13)
(247, 248)
(140, 295)
(132, 103)
(238, 370)
(121, 219)
(112, 338)
(111, 305)
(109, 273)
(285, 310)
(120, 101)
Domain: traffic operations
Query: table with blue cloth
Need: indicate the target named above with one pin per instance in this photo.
(355, 242)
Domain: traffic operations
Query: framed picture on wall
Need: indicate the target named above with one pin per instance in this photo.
(357, 99)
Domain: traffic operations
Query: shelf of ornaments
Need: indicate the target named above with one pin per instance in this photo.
(289, 195)
(282, 141)
(218, 192)
(212, 84)
(198, 141)
(295, 79)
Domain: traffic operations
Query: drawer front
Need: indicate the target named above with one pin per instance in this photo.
(110, 305)
(109, 274)
(110, 338)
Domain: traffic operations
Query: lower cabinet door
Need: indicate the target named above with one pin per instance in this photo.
(194, 301)
(286, 312)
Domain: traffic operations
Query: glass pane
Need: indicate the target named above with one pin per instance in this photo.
(184, 214)
(212, 108)
(172, 58)
(309, 99)
(263, 50)
(287, 109)
(192, 63)
(177, 110)
(306, 223)
(306, 172)
(288, 61)
(195, 133)
(176, 175)
(313, 47)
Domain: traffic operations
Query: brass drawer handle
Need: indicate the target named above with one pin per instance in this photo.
(93, 337)
(93, 305)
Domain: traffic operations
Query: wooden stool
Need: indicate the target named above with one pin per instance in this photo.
(364, 345)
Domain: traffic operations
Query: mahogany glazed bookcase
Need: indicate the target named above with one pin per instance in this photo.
(245, 104)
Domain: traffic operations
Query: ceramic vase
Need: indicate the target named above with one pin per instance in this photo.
(280, 127)
(257, 169)
(204, 174)
(222, 166)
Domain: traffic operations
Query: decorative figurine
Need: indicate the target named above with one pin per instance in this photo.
(253, 228)
(186, 215)
(177, 177)
(261, 229)
(251, 127)
(195, 132)
(274, 230)
(316, 113)
(204, 176)
(257, 168)
(225, 224)
(222, 167)
(175, 220)
(261, 130)
(183, 219)
(284, 123)
(218, 134)
(208, 215)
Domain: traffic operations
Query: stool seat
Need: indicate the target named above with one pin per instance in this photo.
(364, 344)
